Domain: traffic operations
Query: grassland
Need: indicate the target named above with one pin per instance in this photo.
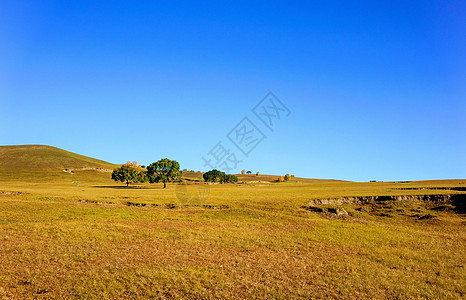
(82, 235)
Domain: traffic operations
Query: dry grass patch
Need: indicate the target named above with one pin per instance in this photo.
(243, 241)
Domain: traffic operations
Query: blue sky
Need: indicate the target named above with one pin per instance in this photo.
(376, 89)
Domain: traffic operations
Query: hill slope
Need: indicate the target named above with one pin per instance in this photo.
(26, 161)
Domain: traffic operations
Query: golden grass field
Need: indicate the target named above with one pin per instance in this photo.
(82, 235)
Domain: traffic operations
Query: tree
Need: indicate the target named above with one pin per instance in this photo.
(213, 176)
(219, 176)
(129, 175)
(230, 178)
(287, 177)
(164, 170)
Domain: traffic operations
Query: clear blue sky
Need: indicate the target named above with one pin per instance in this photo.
(376, 89)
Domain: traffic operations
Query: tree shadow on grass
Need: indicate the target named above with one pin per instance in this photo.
(118, 187)
(459, 201)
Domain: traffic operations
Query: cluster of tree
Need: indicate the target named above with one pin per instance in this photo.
(243, 172)
(219, 176)
(134, 164)
(286, 178)
(164, 170)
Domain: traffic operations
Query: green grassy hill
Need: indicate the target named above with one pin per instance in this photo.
(39, 163)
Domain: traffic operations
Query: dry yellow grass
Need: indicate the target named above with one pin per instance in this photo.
(239, 241)
(84, 236)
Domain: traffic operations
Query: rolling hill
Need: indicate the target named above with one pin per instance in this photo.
(38, 162)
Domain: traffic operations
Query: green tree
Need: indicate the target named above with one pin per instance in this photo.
(219, 176)
(230, 178)
(213, 176)
(164, 170)
(128, 174)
